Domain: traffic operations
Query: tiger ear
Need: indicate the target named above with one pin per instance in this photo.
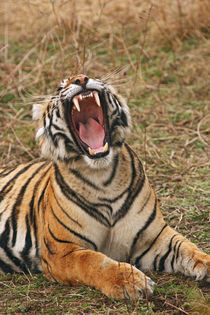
(37, 111)
(62, 85)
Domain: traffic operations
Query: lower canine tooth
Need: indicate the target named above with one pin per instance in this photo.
(91, 151)
(106, 146)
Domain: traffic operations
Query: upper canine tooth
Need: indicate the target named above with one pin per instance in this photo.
(76, 103)
(97, 99)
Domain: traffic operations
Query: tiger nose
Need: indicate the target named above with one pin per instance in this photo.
(81, 80)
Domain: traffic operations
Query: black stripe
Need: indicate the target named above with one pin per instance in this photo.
(4, 241)
(155, 262)
(115, 123)
(88, 207)
(31, 204)
(48, 269)
(136, 185)
(117, 100)
(15, 209)
(73, 251)
(11, 181)
(118, 144)
(177, 254)
(4, 238)
(163, 258)
(48, 110)
(48, 247)
(53, 137)
(173, 258)
(6, 268)
(42, 195)
(85, 180)
(114, 112)
(32, 209)
(116, 198)
(119, 196)
(64, 211)
(69, 144)
(28, 244)
(73, 232)
(57, 112)
(147, 250)
(114, 169)
(111, 100)
(6, 171)
(146, 201)
(58, 239)
(44, 119)
(57, 127)
(124, 119)
(148, 222)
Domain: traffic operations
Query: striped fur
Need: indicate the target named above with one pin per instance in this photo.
(91, 219)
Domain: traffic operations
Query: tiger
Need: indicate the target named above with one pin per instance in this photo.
(86, 214)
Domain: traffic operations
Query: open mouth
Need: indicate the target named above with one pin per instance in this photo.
(89, 124)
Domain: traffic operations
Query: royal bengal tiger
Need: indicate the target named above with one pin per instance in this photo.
(88, 214)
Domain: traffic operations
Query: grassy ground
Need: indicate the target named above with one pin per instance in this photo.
(161, 50)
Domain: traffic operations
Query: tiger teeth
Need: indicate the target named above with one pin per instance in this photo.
(81, 97)
(106, 147)
(97, 99)
(91, 151)
(85, 96)
(76, 103)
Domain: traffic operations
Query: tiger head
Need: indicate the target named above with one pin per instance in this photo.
(86, 119)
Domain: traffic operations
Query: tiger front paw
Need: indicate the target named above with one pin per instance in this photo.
(127, 282)
(201, 268)
(197, 265)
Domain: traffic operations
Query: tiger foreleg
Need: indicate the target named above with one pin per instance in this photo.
(172, 252)
(79, 265)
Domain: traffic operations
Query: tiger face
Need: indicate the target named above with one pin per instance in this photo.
(85, 119)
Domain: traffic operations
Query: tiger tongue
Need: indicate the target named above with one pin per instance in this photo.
(92, 133)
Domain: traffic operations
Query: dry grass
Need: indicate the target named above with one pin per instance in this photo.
(55, 38)
(157, 54)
